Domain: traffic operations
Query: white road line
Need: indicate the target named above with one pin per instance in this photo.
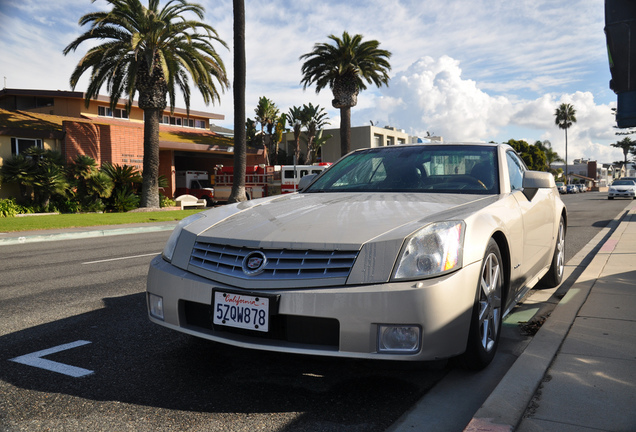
(35, 359)
(120, 258)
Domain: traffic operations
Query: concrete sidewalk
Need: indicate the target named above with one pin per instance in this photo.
(579, 371)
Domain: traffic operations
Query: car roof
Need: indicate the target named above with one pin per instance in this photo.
(436, 144)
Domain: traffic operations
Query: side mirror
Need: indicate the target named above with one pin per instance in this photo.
(306, 181)
(535, 180)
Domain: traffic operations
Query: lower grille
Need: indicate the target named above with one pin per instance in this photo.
(323, 332)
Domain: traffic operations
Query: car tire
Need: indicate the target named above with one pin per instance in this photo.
(610, 197)
(485, 326)
(554, 276)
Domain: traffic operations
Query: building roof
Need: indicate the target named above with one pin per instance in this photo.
(37, 125)
(32, 125)
(6, 92)
(178, 139)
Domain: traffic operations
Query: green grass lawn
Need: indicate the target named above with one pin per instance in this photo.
(42, 222)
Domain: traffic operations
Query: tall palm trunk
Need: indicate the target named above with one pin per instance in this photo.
(152, 99)
(240, 147)
(345, 130)
(566, 155)
(150, 183)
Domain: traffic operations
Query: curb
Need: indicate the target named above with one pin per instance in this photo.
(83, 234)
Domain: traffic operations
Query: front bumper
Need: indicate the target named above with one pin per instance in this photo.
(335, 321)
(621, 194)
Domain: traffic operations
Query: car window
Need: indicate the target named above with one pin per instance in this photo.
(516, 168)
(424, 168)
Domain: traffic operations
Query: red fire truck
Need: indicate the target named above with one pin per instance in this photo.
(260, 181)
(195, 183)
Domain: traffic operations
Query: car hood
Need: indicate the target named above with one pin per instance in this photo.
(330, 220)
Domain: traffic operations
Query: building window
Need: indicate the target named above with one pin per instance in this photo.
(377, 140)
(181, 121)
(390, 141)
(20, 145)
(103, 111)
(120, 113)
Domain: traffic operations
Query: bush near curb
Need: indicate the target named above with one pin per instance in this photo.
(9, 208)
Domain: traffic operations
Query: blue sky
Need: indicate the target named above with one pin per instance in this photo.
(468, 70)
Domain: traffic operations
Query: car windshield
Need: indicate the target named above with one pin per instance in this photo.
(624, 183)
(422, 168)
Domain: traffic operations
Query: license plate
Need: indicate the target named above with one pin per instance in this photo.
(241, 311)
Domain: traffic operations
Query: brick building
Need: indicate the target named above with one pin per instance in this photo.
(60, 120)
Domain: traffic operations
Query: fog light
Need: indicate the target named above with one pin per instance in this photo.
(155, 306)
(398, 339)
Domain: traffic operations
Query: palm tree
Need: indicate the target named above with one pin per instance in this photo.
(279, 133)
(344, 68)
(295, 118)
(18, 170)
(564, 117)
(91, 184)
(318, 142)
(123, 176)
(126, 180)
(550, 155)
(151, 51)
(49, 181)
(316, 118)
(240, 146)
(266, 114)
(627, 145)
(48, 175)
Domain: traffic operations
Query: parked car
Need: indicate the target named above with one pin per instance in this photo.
(572, 188)
(581, 187)
(622, 189)
(409, 253)
(561, 187)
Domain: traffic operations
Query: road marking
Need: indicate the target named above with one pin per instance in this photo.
(121, 258)
(35, 359)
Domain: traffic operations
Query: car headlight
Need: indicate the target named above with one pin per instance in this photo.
(433, 250)
(168, 249)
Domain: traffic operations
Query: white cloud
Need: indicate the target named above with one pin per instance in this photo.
(432, 96)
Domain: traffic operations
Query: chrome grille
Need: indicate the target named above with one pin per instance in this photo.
(281, 263)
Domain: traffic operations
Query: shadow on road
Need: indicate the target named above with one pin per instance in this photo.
(136, 362)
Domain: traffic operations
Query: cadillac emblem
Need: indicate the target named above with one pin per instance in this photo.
(254, 263)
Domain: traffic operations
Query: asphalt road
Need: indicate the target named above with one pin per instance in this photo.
(134, 375)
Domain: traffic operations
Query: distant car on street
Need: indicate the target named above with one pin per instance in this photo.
(622, 189)
(572, 188)
(561, 187)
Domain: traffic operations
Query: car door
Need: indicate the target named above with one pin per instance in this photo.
(538, 220)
